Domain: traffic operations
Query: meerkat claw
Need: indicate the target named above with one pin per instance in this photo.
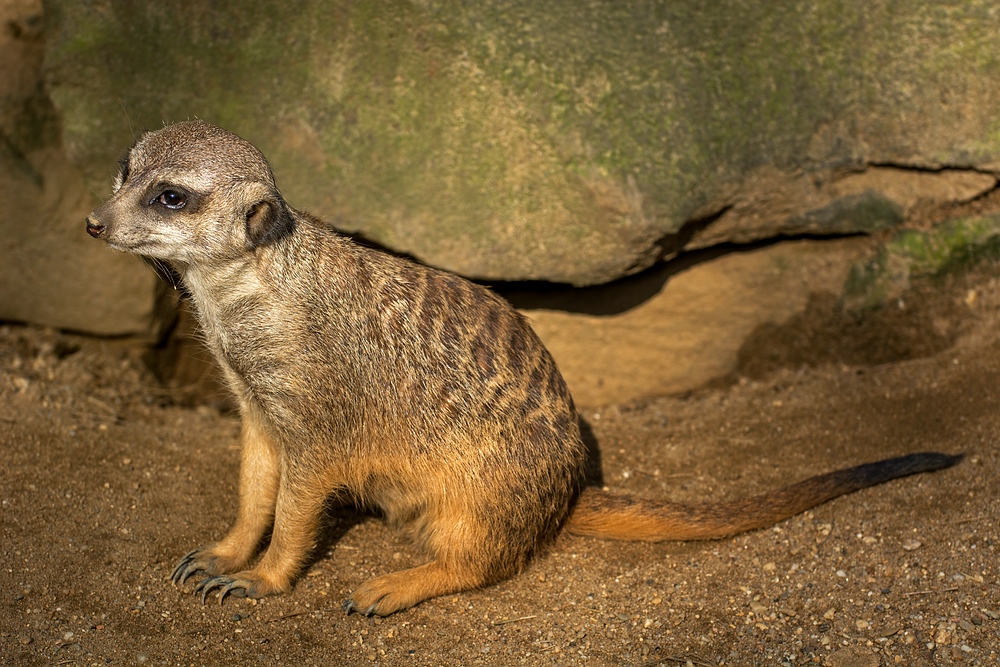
(239, 588)
(350, 607)
(183, 569)
(206, 586)
(236, 588)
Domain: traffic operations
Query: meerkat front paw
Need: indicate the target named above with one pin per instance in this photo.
(202, 560)
(241, 585)
(255, 583)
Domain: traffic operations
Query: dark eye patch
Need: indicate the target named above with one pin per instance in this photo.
(172, 199)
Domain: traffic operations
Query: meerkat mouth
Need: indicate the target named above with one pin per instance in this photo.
(145, 246)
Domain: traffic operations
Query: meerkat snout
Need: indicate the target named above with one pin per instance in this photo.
(94, 228)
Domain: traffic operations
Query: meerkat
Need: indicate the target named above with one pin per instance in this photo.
(377, 381)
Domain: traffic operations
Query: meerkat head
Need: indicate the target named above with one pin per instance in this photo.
(192, 193)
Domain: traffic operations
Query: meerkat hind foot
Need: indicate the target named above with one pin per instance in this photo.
(396, 591)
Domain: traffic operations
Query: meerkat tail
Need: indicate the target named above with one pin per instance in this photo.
(605, 515)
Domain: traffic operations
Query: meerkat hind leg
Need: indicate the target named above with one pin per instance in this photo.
(393, 592)
(259, 479)
(463, 557)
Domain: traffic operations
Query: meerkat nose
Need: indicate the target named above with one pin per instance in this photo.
(95, 228)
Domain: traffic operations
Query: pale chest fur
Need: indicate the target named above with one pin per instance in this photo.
(236, 315)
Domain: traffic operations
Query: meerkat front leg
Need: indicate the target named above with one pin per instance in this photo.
(259, 478)
(301, 497)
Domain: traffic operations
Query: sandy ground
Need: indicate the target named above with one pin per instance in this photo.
(104, 484)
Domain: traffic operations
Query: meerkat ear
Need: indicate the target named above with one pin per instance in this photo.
(269, 220)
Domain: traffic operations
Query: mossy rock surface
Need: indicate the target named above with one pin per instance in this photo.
(953, 246)
(562, 141)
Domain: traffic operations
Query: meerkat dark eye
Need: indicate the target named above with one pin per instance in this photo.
(171, 199)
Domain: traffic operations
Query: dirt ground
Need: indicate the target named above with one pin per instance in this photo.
(105, 484)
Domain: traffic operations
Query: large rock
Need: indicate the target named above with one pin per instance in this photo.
(565, 141)
(745, 313)
(692, 328)
(51, 272)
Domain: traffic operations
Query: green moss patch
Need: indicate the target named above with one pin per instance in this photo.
(950, 247)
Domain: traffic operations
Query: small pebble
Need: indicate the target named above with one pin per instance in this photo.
(911, 545)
